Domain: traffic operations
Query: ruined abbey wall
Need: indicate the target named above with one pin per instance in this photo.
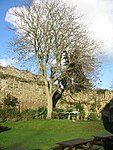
(29, 89)
(87, 99)
(25, 86)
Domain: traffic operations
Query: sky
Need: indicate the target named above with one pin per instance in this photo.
(97, 14)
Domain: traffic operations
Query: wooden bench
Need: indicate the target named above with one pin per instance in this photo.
(54, 148)
(78, 143)
(95, 148)
(57, 148)
(101, 139)
(101, 143)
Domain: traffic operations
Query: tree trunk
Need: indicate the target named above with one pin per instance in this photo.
(49, 101)
(49, 106)
(56, 96)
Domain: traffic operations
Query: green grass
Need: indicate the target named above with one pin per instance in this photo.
(43, 134)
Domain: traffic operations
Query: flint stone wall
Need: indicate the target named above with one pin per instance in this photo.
(87, 100)
(27, 87)
(30, 91)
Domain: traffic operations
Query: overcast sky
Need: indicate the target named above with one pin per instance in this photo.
(97, 14)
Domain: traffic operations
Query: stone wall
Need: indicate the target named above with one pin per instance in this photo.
(29, 89)
(87, 100)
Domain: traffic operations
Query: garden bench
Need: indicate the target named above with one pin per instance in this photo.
(58, 148)
(85, 144)
(78, 143)
(54, 148)
(101, 139)
(100, 143)
(95, 148)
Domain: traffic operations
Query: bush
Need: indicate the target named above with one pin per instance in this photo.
(41, 113)
(28, 114)
(82, 114)
(10, 101)
(3, 115)
(58, 110)
(79, 107)
(92, 117)
(101, 91)
(59, 113)
(69, 110)
(9, 115)
(55, 115)
(12, 115)
(63, 115)
(9, 112)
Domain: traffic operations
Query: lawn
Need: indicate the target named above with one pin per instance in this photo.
(43, 134)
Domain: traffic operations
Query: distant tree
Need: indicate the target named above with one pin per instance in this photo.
(51, 32)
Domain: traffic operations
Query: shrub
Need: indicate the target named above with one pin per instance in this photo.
(9, 111)
(58, 110)
(79, 107)
(93, 107)
(101, 91)
(92, 116)
(9, 115)
(41, 113)
(12, 115)
(63, 115)
(59, 113)
(55, 115)
(3, 115)
(69, 110)
(82, 114)
(10, 101)
(28, 114)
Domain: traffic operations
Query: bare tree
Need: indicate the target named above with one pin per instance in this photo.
(51, 31)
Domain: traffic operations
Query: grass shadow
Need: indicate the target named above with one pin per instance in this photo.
(3, 128)
(37, 149)
(15, 148)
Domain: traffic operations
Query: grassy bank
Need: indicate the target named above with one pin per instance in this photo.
(43, 134)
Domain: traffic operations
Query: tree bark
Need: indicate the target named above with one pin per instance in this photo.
(49, 107)
(49, 104)
(56, 96)
(48, 90)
